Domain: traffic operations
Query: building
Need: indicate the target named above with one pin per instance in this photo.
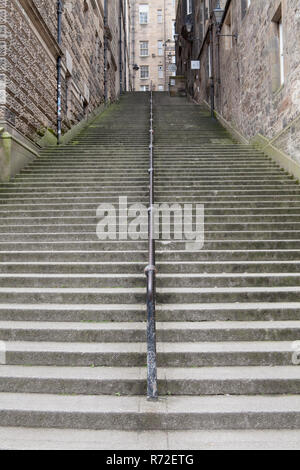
(153, 46)
(93, 54)
(250, 69)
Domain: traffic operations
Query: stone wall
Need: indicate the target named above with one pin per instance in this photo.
(29, 57)
(246, 72)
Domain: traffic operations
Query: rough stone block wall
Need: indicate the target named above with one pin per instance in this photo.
(28, 62)
(247, 75)
(29, 74)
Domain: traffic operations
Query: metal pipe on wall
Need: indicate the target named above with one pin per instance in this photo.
(121, 45)
(105, 50)
(212, 75)
(59, 67)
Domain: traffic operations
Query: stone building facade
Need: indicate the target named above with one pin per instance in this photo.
(153, 44)
(250, 69)
(95, 37)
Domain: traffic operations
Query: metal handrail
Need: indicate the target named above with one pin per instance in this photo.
(152, 389)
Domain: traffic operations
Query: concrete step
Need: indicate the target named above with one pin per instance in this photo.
(212, 231)
(135, 413)
(168, 332)
(164, 280)
(132, 381)
(70, 439)
(164, 267)
(255, 311)
(99, 255)
(216, 245)
(198, 354)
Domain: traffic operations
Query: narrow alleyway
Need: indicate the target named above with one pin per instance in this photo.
(72, 308)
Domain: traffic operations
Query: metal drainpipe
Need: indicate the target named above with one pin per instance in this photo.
(59, 62)
(125, 45)
(133, 6)
(105, 50)
(212, 78)
(212, 58)
(165, 48)
(120, 47)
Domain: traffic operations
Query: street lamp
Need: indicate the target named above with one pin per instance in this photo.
(218, 13)
(189, 26)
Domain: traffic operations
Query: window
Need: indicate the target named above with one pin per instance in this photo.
(207, 9)
(278, 71)
(145, 88)
(144, 48)
(159, 16)
(144, 14)
(189, 7)
(160, 71)
(161, 88)
(160, 46)
(281, 51)
(174, 30)
(144, 72)
(245, 5)
(210, 74)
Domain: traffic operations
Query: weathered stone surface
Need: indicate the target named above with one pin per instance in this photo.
(28, 55)
(246, 71)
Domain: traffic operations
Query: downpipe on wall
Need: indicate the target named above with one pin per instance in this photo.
(121, 45)
(105, 50)
(59, 68)
(212, 78)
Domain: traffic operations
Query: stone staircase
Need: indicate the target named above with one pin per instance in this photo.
(72, 308)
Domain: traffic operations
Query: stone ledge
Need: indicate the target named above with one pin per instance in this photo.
(262, 143)
(285, 161)
(15, 152)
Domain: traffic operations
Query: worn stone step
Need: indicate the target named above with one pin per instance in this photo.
(263, 311)
(74, 280)
(132, 381)
(137, 280)
(135, 332)
(71, 439)
(90, 209)
(200, 354)
(216, 245)
(141, 255)
(210, 237)
(80, 236)
(135, 413)
(116, 294)
(112, 196)
(171, 267)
